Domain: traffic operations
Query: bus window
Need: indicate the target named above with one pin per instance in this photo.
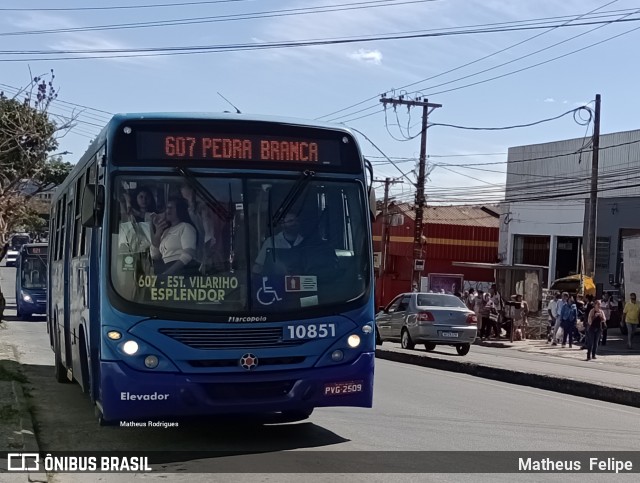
(175, 244)
(308, 249)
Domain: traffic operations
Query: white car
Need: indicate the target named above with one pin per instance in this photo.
(11, 258)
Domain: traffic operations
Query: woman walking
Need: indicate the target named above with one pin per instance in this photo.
(596, 321)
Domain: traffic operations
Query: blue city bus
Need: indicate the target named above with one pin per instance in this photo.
(205, 265)
(31, 280)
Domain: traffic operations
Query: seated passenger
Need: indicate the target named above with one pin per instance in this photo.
(139, 207)
(174, 241)
(135, 226)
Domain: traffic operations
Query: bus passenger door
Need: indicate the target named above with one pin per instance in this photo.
(66, 263)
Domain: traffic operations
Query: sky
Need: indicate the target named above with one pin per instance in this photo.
(482, 60)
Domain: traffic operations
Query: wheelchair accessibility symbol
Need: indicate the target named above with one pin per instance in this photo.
(266, 294)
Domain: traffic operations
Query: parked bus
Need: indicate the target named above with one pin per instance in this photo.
(214, 265)
(31, 280)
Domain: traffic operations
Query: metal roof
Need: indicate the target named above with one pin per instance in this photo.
(454, 215)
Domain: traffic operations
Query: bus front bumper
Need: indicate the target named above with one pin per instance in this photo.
(127, 394)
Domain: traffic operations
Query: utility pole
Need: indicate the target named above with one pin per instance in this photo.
(420, 197)
(384, 240)
(590, 245)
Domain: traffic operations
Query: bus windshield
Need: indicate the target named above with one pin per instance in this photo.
(18, 240)
(34, 272)
(197, 243)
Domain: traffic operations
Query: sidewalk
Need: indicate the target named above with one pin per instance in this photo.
(16, 427)
(614, 376)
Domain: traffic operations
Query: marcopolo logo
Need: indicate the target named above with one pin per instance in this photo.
(127, 396)
(255, 318)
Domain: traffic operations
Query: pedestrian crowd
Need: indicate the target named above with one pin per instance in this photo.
(495, 315)
(584, 320)
(573, 319)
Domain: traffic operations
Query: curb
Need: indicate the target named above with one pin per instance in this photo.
(540, 381)
(26, 432)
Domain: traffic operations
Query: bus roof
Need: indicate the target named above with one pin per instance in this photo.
(222, 116)
(108, 131)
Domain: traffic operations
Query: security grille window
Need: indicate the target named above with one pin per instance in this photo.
(531, 250)
(602, 252)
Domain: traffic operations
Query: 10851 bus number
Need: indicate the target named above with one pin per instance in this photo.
(309, 331)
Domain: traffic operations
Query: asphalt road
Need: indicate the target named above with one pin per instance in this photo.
(415, 409)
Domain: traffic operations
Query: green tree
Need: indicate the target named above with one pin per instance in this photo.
(28, 137)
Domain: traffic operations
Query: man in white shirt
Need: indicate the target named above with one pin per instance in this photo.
(289, 237)
(552, 310)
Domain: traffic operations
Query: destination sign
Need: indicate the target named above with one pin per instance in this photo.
(35, 250)
(237, 147)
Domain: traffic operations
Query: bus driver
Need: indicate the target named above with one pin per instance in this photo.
(289, 237)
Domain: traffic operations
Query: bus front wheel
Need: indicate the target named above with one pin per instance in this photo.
(100, 417)
(60, 371)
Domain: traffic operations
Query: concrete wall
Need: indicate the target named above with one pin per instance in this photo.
(543, 218)
(614, 215)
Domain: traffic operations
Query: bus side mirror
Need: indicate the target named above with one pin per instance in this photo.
(92, 205)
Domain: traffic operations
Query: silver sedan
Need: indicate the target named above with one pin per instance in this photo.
(427, 318)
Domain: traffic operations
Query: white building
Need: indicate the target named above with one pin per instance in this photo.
(547, 191)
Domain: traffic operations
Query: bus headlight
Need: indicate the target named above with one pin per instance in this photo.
(130, 347)
(353, 341)
(151, 361)
(27, 298)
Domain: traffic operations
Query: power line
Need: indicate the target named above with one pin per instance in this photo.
(517, 126)
(550, 186)
(117, 7)
(190, 50)
(530, 54)
(572, 18)
(509, 73)
(537, 64)
(381, 152)
(287, 12)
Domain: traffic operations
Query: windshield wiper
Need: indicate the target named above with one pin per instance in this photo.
(292, 196)
(217, 207)
(42, 260)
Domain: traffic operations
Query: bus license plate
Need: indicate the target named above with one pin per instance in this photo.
(309, 331)
(341, 388)
(450, 334)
